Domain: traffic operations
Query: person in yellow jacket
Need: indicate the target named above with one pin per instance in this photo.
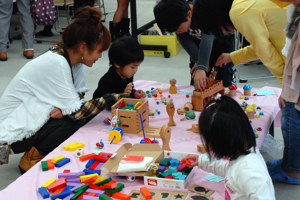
(262, 25)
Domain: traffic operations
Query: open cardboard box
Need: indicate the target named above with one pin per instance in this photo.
(151, 150)
(171, 183)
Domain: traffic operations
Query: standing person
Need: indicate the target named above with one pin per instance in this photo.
(27, 27)
(43, 105)
(287, 169)
(203, 49)
(120, 24)
(262, 26)
(227, 133)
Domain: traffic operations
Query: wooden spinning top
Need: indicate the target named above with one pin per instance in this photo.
(165, 135)
(171, 111)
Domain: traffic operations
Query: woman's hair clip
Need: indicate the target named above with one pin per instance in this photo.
(218, 96)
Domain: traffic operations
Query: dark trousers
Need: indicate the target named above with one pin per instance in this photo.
(82, 3)
(225, 44)
(51, 135)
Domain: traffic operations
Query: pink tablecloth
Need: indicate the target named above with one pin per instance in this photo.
(25, 187)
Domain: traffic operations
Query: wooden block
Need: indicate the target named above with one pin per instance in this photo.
(66, 147)
(44, 165)
(50, 164)
(92, 179)
(49, 182)
(59, 184)
(98, 180)
(58, 191)
(85, 177)
(76, 146)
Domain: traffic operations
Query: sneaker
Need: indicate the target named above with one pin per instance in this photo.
(4, 153)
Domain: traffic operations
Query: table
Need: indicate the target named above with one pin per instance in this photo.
(25, 187)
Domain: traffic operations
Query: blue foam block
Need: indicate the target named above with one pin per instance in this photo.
(44, 192)
(62, 162)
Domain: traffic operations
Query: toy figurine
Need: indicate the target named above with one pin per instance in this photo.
(173, 88)
(232, 90)
(247, 90)
(170, 111)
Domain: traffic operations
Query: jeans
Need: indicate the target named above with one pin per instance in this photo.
(290, 127)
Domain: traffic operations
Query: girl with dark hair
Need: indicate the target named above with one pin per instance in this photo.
(227, 133)
(43, 105)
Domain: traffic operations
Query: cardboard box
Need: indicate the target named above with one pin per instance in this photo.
(130, 119)
(170, 183)
(151, 150)
(173, 46)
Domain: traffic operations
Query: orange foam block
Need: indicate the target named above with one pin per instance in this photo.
(146, 193)
(92, 179)
(86, 157)
(58, 191)
(121, 196)
(50, 164)
(92, 194)
(110, 185)
(59, 184)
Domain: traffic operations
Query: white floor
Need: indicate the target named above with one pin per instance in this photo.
(155, 68)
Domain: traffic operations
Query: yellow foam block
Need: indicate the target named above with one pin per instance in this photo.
(49, 182)
(85, 177)
(66, 147)
(57, 159)
(76, 146)
(99, 179)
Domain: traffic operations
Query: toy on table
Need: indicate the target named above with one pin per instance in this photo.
(145, 140)
(250, 112)
(165, 135)
(247, 90)
(188, 106)
(232, 90)
(173, 88)
(195, 128)
(170, 110)
(189, 115)
(115, 135)
(79, 152)
(100, 144)
(201, 98)
(107, 121)
(181, 111)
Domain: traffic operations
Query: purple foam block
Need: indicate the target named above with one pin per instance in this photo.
(73, 180)
(98, 192)
(99, 166)
(68, 175)
(74, 184)
(69, 197)
(161, 168)
(86, 197)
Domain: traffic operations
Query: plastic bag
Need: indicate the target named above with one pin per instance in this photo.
(272, 147)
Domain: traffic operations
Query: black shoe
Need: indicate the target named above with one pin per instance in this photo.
(45, 34)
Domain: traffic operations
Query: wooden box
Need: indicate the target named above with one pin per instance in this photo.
(130, 119)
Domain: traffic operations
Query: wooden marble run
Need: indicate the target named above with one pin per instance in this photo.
(201, 98)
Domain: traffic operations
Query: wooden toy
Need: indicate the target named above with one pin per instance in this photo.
(188, 106)
(250, 112)
(62, 162)
(121, 196)
(73, 146)
(247, 90)
(44, 193)
(115, 135)
(232, 90)
(86, 157)
(165, 134)
(44, 165)
(201, 190)
(159, 194)
(195, 128)
(146, 193)
(130, 119)
(173, 88)
(50, 164)
(58, 158)
(189, 115)
(49, 182)
(201, 98)
(79, 152)
(181, 111)
(170, 111)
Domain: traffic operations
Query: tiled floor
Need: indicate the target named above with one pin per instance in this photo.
(155, 68)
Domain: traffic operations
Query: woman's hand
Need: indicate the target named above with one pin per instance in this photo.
(194, 158)
(140, 94)
(223, 59)
(128, 88)
(281, 102)
(56, 113)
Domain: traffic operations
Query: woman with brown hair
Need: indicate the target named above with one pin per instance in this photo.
(43, 105)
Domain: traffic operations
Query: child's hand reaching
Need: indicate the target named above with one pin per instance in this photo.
(128, 88)
(194, 158)
(140, 94)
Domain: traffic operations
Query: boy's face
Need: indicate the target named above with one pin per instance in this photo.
(129, 70)
(184, 26)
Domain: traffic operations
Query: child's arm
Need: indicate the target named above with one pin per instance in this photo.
(140, 94)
